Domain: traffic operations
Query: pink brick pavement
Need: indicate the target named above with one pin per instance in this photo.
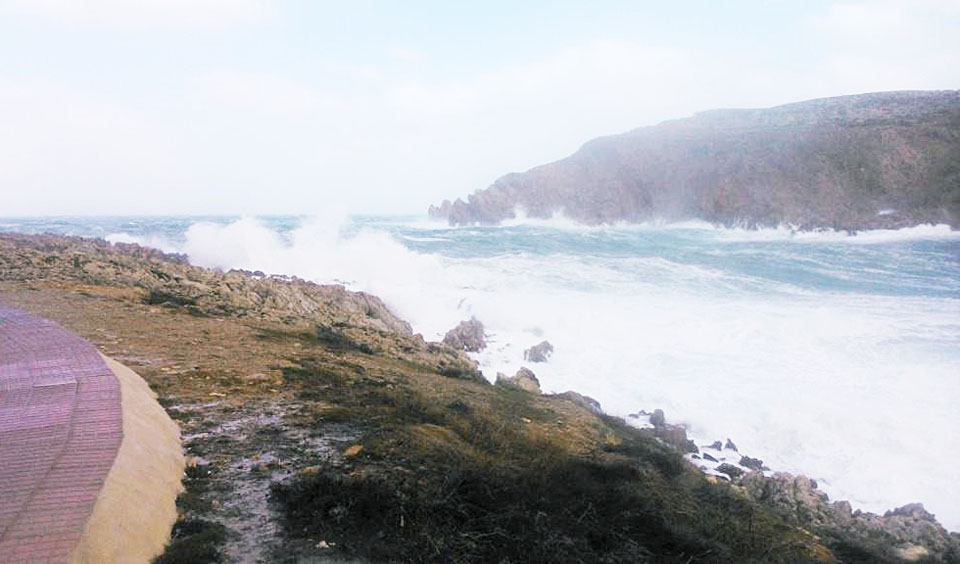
(60, 428)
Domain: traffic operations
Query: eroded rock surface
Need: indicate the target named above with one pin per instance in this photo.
(524, 380)
(467, 336)
(538, 353)
(906, 534)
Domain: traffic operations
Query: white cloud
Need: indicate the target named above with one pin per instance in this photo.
(143, 14)
(386, 139)
(889, 45)
(64, 153)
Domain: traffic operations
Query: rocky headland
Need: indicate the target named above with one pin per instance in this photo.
(320, 429)
(881, 160)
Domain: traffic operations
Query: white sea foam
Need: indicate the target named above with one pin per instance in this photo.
(810, 381)
(786, 232)
(872, 236)
(152, 241)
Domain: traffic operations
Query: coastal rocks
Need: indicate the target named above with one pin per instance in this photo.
(583, 401)
(674, 435)
(918, 532)
(730, 470)
(341, 320)
(168, 280)
(906, 534)
(752, 463)
(524, 380)
(468, 336)
(658, 419)
(538, 353)
(796, 495)
(814, 164)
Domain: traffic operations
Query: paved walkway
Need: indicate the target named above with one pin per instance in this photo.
(60, 428)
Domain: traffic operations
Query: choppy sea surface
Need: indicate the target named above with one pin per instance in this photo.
(824, 353)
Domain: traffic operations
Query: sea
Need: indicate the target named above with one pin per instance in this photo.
(831, 354)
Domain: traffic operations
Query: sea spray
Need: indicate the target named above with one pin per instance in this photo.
(824, 353)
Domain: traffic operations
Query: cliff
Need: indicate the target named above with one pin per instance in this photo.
(881, 160)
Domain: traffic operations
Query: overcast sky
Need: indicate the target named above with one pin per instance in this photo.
(242, 106)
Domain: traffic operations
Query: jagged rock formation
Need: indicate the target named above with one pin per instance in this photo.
(538, 353)
(467, 336)
(905, 534)
(524, 380)
(888, 159)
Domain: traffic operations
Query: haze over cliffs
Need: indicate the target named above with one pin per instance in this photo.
(881, 160)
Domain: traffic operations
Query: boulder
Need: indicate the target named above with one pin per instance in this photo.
(794, 496)
(468, 336)
(674, 435)
(730, 470)
(524, 380)
(751, 463)
(658, 419)
(539, 352)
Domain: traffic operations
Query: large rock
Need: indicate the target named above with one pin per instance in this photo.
(852, 162)
(674, 435)
(468, 336)
(539, 352)
(906, 534)
(524, 380)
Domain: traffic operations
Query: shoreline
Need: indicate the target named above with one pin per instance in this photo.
(122, 293)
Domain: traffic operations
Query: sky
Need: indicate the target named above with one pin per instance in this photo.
(112, 107)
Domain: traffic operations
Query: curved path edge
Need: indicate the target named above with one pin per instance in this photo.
(136, 508)
(90, 464)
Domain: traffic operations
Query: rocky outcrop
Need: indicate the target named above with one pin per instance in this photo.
(539, 352)
(168, 280)
(524, 380)
(467, 336)
(342, 320)
(906, 534)
(673, 435)
(852, 162)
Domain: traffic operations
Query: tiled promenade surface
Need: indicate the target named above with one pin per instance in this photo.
(60, 428)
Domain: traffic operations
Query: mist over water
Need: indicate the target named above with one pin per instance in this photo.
(826, 354)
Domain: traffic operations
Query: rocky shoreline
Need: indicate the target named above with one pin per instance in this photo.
(883, 160)
(908, 533)
(320, 427)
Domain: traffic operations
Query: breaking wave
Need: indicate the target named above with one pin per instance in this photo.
(826, 353)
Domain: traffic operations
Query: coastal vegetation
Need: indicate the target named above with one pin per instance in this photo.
(320, 427)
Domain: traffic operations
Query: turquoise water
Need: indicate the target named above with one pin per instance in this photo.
(824, 353)
(923, 264)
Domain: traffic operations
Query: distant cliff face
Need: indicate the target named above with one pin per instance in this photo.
(888, 159)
